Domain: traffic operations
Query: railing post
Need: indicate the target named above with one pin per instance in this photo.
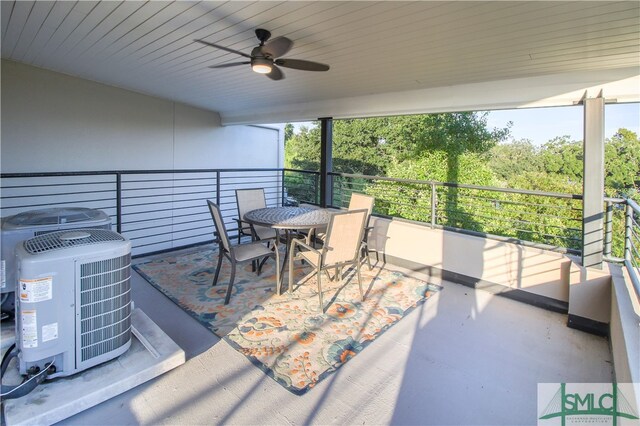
(316, 189)
(434, 200)
(218, 187)
(628, 223)
(119, 203)
(326, 161)
(608, 219)
(282, 196)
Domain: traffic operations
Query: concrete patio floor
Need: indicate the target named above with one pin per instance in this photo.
(464, 357)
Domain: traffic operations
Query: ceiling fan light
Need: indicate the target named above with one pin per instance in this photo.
(261, 65)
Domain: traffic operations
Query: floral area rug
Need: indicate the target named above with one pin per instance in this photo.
(287, 336)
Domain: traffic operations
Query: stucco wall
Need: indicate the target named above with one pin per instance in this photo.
(55, 122)
(516, 267)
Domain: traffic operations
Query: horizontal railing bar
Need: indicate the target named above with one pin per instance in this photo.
(461, 185)
(253, 177)
(10, 197)
(452, 217)
(58, 203)
(166, 195)
(302, 171)
(633, 205)
(518, 212)
(237, 184)
(138, 172)
(59, 184)
(168, 188)
(635, 279)
(518, 203)
(502, 238)
(56, 174)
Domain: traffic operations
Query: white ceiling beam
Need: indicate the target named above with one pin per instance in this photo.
(622, 84)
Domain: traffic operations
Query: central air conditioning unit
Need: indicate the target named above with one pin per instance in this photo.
(73, 305)
(23, 226)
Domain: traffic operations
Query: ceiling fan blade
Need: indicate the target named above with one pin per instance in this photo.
(230, 64)
(275, 74)
(237, 52)
(299, 64)
(277, 47)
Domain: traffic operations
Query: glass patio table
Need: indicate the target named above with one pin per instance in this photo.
(287, 220)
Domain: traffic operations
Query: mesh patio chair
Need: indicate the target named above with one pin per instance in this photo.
(247, 200)
(241, 253)
(357, 202)
(342, 247)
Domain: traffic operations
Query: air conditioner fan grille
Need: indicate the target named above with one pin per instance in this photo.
(56, 240)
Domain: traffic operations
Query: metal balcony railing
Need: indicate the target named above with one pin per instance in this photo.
(166, 209)
(156, 209)
(632, 243)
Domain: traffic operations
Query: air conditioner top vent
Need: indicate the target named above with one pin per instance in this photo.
(64, 239)
(53, 216)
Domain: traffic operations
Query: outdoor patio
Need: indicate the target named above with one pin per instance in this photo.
(464, 357)
(114, 106)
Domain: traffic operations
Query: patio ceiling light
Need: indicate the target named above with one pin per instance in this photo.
(261, 65)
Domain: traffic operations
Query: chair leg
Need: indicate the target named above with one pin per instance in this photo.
(215, 277)
(359, 280)
(231, 278)
(261, 264)
(365, 253)
(291, 256)
(321, 307)
(277, 253)
(277, 275)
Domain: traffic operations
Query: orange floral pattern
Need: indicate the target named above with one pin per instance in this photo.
(287, 336)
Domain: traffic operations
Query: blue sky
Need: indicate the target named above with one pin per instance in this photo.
(543, 124)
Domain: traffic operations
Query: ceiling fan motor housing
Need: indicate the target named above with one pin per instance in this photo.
(263, 35)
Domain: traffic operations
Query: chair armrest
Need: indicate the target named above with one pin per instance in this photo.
(240, 221)
(303, 244)
(241, 228)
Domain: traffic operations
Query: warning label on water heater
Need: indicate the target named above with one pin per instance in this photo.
(38, 290)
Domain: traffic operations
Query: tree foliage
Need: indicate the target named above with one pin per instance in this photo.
(460, 148)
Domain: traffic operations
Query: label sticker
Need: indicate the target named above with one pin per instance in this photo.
(38, 290)
(49, 332)
(29, 329)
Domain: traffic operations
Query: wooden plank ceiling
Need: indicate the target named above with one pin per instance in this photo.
(372, 47)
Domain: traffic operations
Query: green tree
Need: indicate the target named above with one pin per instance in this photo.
(413, 200)
(622, 164)
(302, 152)
(454, 134)
(508, 160)
(303, 149)
(359, 146)
(288, 132)
(563, 156)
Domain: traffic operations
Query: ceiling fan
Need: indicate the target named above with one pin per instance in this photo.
(265, 58)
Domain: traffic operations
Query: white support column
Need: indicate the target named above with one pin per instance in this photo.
(593, 183)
